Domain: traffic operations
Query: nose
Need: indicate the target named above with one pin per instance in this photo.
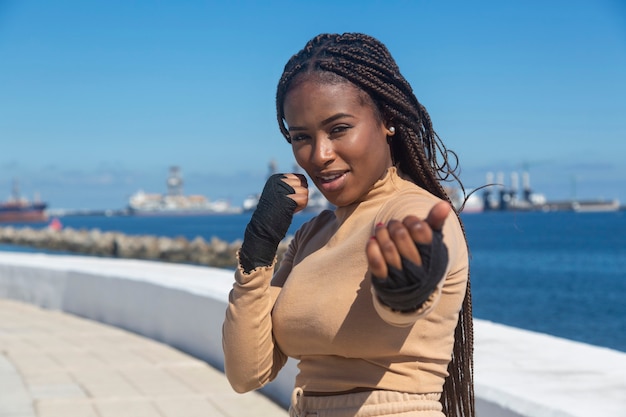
(323, 152)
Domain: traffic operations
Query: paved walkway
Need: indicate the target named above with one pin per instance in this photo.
(57, 365)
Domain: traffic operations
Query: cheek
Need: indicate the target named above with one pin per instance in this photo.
(300, 154)
(297, 151)
(371, 153)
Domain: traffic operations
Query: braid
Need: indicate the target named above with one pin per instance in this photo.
(416, 149)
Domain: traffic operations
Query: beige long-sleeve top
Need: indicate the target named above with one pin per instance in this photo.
(319, 307)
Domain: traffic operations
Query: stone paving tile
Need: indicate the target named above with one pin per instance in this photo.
(59, 377)
(12, 342)
(33, 363)
(201, 379)
(64, 408)
(243, 405)
(119, 357)
(127, 408)
(56, 390)
(188, 407)
(155, 382)
(59, 365)
(163, 354)
(14, 399)
(105, 384)
(78, 360)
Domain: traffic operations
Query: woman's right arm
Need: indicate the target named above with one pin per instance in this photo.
(251, 358)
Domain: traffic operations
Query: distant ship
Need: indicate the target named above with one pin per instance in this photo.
(175, 203)
(512, 199)
(584, 206)
(18, 209)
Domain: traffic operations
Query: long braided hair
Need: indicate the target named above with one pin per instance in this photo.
(416, 150)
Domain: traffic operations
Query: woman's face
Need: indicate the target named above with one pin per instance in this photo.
(337, 138)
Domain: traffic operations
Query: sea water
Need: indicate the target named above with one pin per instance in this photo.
(561, 273)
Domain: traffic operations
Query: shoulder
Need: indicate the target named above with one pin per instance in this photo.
(407, 199)
(411, 200)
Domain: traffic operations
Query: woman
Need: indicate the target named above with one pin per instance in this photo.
(372, 298)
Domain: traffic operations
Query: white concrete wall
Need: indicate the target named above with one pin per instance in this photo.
(518, 373)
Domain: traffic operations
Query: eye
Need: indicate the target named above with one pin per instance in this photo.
(299, 137)
(339, 129)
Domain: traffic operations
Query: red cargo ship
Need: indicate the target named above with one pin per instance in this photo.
(20, 210)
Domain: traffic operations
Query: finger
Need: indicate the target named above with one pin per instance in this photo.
(300, 186)
(419, 230)
(295, 180)
(438, 215)
(303, 180)
(375, 259)
(387, 246)
(404, 242)
(301, 199)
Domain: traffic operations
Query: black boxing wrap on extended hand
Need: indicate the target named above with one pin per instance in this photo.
(268, 225)
(408, 288)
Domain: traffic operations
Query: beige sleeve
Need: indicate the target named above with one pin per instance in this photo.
(251, 357)
(455, 278)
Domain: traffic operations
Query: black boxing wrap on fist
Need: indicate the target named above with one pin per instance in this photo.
(268, 225)
(408, 288)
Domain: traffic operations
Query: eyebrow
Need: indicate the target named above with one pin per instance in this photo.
(324, 122)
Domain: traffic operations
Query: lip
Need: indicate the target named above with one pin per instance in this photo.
(331, 181)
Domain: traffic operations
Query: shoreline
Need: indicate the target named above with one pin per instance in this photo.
(216, 252)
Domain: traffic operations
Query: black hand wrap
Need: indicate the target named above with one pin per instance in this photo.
(268, 225)
(407, 289)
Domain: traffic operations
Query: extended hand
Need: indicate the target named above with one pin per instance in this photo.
(408, 258)
(397, 239)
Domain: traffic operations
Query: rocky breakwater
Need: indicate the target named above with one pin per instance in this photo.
(216, 253)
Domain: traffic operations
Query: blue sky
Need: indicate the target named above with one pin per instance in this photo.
(99, 98)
